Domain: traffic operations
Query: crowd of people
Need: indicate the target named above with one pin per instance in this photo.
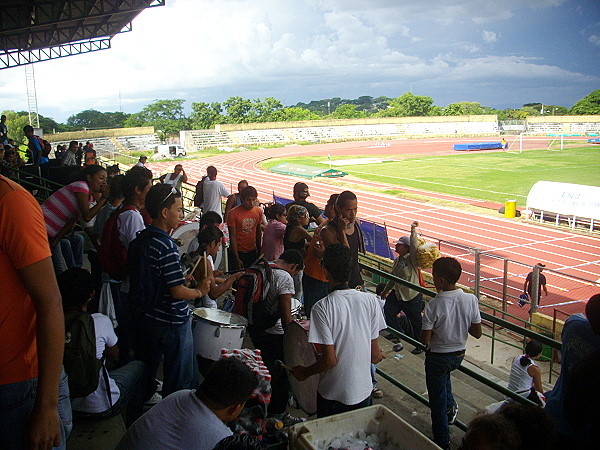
(135, 300)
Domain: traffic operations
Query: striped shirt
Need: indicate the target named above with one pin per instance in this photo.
(62, 206)
(166, 266)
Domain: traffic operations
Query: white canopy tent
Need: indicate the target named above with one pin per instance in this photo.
(574, 202)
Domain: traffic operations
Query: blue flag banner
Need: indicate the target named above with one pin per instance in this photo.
(376, 239)
(281, 200)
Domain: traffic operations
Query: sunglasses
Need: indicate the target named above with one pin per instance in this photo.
(174, 191)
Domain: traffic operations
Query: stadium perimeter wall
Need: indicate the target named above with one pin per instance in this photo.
(543, 125)
(92, 134)
(340, 130)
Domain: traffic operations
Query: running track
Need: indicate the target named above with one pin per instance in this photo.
(573, 254)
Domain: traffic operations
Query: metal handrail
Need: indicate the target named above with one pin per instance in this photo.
(469, 372)
(485, 316)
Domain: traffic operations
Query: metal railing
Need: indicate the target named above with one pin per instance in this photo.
(491, 318)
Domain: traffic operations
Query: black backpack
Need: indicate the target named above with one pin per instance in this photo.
(253, 299)
(80, 362)
(144, 288)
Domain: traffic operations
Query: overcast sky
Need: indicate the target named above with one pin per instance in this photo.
(500, 53)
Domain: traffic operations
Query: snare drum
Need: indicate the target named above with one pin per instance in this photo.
(299, 352)
(215, 330)
(185, 236)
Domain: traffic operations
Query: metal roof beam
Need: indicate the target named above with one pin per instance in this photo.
(19, 58)
(67, 9)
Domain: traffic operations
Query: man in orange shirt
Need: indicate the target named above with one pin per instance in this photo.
(36, 412)
(244, 230)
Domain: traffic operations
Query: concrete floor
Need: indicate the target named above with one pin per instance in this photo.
(471, 395)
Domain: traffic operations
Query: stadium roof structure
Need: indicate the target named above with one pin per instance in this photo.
(39, 30)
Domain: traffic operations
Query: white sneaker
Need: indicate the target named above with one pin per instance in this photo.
(159, 385)
(156, 397)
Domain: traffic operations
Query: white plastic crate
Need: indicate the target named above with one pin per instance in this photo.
(374, 419)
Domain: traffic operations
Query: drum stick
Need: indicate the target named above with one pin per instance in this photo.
(280, 363)
(205, 264)
(258, 259)
(195, 265)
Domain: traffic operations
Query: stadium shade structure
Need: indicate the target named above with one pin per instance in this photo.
(39, 30)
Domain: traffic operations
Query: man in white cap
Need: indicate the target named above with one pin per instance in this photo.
(400, 297)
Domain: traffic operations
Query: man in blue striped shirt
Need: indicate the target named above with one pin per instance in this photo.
(162, 327)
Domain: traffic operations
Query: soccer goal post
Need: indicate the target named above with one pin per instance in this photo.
(528, 141)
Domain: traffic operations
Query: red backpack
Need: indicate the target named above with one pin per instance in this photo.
(252, 299)
(112, 253)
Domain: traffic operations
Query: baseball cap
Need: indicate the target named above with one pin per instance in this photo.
(405, 240)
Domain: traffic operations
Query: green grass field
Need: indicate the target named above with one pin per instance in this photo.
(495, 177)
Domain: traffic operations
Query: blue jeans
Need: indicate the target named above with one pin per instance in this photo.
(314, 290)
(124, 329)
(68, 253)
(412, 309)
(152, 340)
(437, 377)
(373, 372)
(330, 407)
(17, 401)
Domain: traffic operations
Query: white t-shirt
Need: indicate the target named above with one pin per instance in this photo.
(449, 315)
(519, 379)
(130, 223)
(213, 190)
(180, 421)
(349, 320)
(282, 284)
(208, 302)
(174, 180)
(97, 401)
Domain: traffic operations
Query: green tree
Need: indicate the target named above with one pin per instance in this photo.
(295, 113)
(590, 104)
(204, 116)
(93, 119)
(239, 110)
(347, 112)
(49, 125)
(408, 105)
(15, 123)
(268, 110)
(555, 110)
(512, 114)
(166, 116)
(530, 111)
(463, 109)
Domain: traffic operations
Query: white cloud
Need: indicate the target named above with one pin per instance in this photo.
(213, 49)
(594, 40)
(489, 36)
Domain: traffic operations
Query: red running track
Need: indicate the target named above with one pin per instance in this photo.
(572, 254)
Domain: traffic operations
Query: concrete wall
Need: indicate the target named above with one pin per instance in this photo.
(231, 135)
(348, 122)
(563, 124)
(90, 134)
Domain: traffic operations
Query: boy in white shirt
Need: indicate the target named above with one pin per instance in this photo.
(347, 324)
(447, 321)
